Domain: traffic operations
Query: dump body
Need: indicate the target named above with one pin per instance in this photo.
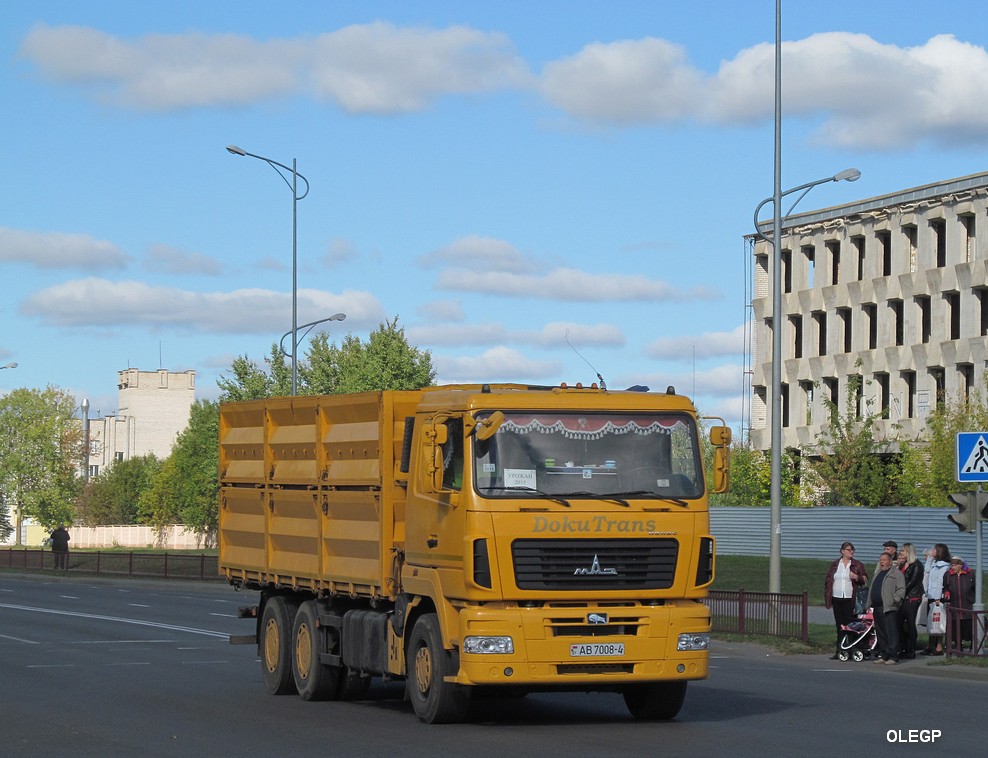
(494, 535)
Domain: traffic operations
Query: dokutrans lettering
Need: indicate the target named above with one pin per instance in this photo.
(592, 525)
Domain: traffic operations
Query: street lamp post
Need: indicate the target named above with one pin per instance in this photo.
(775, 408)
(9, 365)
(307, 327)
(293, 185)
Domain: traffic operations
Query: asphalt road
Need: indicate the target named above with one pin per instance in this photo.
(96, 667)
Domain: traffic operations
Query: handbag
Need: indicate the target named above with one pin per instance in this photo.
(922, 611)
(861, 600)
(938, 618)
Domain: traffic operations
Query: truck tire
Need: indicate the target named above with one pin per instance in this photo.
(314, 680)
(655, 701)
(275, 647)
(435, 700)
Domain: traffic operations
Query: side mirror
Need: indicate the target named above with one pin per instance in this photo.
(722, 469)
(720, 436)
(487, 428)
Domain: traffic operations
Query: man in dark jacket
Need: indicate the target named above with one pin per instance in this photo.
(887, 591)
(60, 547)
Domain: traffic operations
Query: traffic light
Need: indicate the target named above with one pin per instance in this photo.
(972, 507)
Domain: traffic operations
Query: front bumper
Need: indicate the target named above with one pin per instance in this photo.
(543, 638)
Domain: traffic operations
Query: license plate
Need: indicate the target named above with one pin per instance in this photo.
(597, 649)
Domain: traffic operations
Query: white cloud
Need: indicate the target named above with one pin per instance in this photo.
(480, 254)
(380, 68)
(171, 260)
(371, 68)
(443, 311)
(570, 285)
(99, 302)
(55, 250)
(449, 335)
(707, 345)
(579, 335)
(717, 381)
(499, 364)
(626, 82)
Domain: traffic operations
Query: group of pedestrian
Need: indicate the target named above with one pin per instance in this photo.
(904, 593)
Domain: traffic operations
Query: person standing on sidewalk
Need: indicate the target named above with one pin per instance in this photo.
(845, 575)
(912, 573)
(887, 591)
(936, 568)
(60, 547)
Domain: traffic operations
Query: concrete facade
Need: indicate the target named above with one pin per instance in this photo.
(893, 289)
(153, 410)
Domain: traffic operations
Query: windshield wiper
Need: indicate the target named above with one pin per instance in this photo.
(649, 493)
(614, 497)
(547, 496)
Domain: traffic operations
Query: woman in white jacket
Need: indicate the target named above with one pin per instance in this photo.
(937, 564)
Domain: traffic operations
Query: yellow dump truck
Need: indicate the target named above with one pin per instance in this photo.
(473, 538)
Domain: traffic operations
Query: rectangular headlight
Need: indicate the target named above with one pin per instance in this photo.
(693, 641)
(489, 645)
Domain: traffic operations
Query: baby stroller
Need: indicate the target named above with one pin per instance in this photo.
(859, 638)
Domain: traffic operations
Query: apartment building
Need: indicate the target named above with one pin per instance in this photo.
(153, 409)
(893, 290)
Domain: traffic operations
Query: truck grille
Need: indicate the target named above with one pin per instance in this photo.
(595, 564)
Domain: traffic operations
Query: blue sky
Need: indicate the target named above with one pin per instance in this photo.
(505, 178)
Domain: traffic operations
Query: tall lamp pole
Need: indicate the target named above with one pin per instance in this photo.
(293, 185)
(775, 411)
(307, 327)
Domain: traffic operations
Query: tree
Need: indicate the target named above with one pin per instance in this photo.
(113, 496)
(385, 362)
(185, 489)
(751, 479)
(40, 454)
(250, 381)
(850, 461)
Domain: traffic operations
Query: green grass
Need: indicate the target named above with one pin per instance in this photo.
(746, 572)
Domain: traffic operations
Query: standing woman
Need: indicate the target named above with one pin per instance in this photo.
(912, 572)
(846, 574)
(937, 566)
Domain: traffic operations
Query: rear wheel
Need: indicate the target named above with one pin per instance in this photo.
(276, 648)
(314, 680)
(858, 655)
(843, 655)
(435, 700)
(655, 701)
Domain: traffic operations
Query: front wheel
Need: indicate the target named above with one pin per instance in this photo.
(858, 656)
(843, 655)
(655, 701)
(435, 700)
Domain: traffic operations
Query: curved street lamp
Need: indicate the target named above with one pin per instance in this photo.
(293, 186)
(12, 364)
(775, 509)
(308, 328)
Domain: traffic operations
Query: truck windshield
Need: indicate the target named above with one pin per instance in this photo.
(574, 455)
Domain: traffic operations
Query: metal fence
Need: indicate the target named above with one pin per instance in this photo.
(162, 565)
(967, 633)
(775, 614)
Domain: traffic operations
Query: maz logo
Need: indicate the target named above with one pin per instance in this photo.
(595, 570)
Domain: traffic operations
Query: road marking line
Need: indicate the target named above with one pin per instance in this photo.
(138, 622)
(131, 663)
(139, 605)
(18, 639)
(51, 665)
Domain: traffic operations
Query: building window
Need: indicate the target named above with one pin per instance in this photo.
(967, 224)
(821, 330)
(939, 377)
(797, 336)
(809, 258)
(806, 390)
(93, 472)
(833, 248)
(831, 385)
(844, 314)
(885, 241)
(871, 314)
(925, 318)
(118, 456)
(859, 397)
(882, 380)
(859, 249)
(909, 378)
(909, 230)
(965, 374)
(939, 227)
(761, 276)
(785, 405)
(953, 300)
(982, 294)
(897, 315)
(786, 256)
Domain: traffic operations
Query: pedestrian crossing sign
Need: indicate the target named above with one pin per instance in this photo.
(972, 457)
